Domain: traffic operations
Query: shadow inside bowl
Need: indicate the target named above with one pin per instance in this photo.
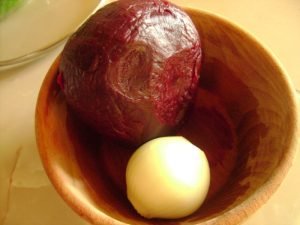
(243, 118)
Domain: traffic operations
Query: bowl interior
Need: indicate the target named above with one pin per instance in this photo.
(244, 118)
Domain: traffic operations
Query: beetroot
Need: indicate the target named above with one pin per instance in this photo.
(132, 69)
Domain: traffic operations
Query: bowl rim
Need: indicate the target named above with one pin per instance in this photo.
(36, 53)
(241, 212)
(234, 215)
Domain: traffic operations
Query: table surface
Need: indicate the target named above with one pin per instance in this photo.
(26, 195)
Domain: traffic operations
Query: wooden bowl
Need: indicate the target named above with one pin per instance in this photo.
(248, 99)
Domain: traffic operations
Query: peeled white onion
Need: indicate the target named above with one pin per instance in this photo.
(167, 177)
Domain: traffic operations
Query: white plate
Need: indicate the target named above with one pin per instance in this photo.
(38, 25)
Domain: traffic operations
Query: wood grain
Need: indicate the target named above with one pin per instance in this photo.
(249, 88)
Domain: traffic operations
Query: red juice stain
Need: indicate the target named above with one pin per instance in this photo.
(214, 123)
(60, 81)
(209, 127)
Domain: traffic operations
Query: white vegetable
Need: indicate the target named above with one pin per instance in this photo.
(167, 177)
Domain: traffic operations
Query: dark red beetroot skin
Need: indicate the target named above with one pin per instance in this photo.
(132, 69)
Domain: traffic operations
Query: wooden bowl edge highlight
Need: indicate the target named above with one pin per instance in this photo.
(233, 216)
